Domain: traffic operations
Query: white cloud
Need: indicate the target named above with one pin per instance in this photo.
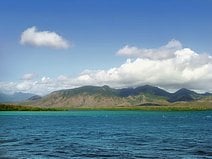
(24, 86)
(28, 76)
(184, 68)
(62, 78)
(34, 37)
(164, 52)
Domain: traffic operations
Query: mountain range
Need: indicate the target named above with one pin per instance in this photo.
(16, 97)
(95, 96)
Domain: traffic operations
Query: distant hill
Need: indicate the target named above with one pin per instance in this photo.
(184, 95)
(95, 96)
(143, 89)
(89, 90)
(34, 97)
(16, 97)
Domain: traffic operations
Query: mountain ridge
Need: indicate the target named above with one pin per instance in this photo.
(15, 97)
(106, 96)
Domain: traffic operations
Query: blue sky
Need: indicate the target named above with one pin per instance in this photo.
(95, 31)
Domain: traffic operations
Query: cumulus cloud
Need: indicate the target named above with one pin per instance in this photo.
(184, 68)
(24, 86)
(163, 52)
(28, 76)
(34, 37)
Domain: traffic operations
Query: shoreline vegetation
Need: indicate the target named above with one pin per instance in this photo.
(174, 107)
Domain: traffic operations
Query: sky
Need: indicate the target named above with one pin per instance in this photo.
(49, 45)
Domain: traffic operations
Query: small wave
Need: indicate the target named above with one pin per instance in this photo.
(8, 141)
(203, 153)
(92, 155)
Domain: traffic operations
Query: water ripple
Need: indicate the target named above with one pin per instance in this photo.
(107, 135)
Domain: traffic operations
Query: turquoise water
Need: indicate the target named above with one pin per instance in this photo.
(106, 134)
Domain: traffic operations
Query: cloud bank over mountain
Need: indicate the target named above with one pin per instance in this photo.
(163, 52)
(170, 66)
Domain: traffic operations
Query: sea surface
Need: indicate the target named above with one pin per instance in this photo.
(106, 134)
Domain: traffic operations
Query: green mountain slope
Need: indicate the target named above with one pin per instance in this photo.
(94, 96)
(184, 95)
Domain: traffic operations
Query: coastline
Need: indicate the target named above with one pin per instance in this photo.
(176, 107)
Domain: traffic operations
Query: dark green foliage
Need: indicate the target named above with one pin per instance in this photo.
(10, 107)
(105, 96)
(149, 104)
(107, 91)
(155, 92)
(143, 89)
(138, 95)
(184, 95)
(125, 92)
(147, 107)
(152, 90)
(35, 97)
(89, 90)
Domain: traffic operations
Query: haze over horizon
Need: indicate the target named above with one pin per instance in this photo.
(48, 45)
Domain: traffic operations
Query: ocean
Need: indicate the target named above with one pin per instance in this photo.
(105, 134)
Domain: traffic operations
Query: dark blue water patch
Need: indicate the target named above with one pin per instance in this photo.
(106, 134)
